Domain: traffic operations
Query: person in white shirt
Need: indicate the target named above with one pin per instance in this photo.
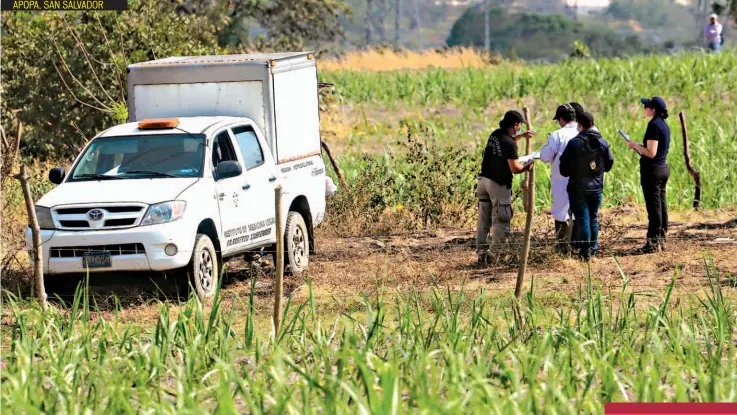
(550, 152)
(713, 33)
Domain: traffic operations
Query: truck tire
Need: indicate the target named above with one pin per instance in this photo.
(203, 267)
(296, 244)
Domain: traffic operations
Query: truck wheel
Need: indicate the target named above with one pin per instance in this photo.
(296, 244)
(203, 267)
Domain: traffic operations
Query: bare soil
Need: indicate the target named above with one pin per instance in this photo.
(345, 267)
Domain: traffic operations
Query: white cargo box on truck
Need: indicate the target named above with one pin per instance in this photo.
(281, 92)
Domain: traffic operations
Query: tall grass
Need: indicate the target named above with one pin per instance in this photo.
(701, 85)
(442, 353)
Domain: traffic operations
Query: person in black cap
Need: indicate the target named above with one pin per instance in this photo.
(654, 171)
(585, 160)
(494, 188)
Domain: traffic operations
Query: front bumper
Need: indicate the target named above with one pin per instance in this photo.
(153, 238)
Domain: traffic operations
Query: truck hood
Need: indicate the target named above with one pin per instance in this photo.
(147, 191)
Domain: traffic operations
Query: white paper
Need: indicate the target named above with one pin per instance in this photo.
(528, 158)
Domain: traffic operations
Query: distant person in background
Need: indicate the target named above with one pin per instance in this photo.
(585, 160)
(550, 152)
(654, 172)
(713, 34)
(494, 187)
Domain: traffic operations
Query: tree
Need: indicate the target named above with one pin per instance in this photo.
(290, 24)
(64, 74)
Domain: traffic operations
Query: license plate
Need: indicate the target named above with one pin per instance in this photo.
(97, 260)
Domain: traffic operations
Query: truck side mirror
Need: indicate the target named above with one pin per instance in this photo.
(56, 175)
(227, 169)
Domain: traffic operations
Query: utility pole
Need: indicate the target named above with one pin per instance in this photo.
(487, 39)
(397, 22)
(418, 26)
(369, 22)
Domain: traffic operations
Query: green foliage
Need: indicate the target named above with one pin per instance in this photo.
(535, 36)
(580, 50)
(700, 85)
(64, 74)
(440, 352)
(430, 180)
(290, 24)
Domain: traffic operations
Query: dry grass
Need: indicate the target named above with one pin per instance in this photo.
(14, 216)
(389, 60)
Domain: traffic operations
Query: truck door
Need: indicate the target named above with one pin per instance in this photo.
(259, 180)
(230, 196)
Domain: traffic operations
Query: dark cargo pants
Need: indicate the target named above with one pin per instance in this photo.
(495, 214)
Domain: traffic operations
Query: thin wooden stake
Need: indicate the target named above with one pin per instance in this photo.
(279, 283)
(38, 270)
(687, 154)
(336, 168)
(528, 149)
(529, 197)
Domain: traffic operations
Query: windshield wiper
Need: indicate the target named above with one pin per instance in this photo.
(97, 176)
(149, 172)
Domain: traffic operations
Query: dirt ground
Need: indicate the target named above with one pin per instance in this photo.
(345, 267)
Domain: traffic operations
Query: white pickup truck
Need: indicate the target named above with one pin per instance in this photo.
(190, 181)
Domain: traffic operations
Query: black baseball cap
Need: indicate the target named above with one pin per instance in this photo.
(585, 120)
(566, 111)
(511, 118)
(656, 103)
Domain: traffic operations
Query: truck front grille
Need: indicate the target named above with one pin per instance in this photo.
(115, 250)
(111, 209)
(109, 216)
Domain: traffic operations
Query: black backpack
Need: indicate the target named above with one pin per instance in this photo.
(590, 157)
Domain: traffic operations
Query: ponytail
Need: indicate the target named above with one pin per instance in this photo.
(663, 115)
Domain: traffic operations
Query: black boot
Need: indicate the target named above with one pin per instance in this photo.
(562, 240)
(574, 244)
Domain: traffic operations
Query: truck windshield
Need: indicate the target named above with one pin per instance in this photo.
(142, 156)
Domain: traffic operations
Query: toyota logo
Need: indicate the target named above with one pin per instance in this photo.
(94, 214)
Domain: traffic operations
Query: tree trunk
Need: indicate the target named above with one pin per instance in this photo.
(38, 271)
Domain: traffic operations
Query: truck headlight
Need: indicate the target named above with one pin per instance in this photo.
(164, 213)
(43, 215)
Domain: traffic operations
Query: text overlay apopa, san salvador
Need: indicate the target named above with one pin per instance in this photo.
(68, 5)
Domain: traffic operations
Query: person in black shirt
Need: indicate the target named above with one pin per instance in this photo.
(585, 160)
(654, 172)
(494, 188)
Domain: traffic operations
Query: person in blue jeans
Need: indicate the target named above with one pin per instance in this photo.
(584, 161)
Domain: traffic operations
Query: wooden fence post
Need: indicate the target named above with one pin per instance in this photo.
(528, 149)
(529, 198)
(38, 270)
(687, 154)
(336, 168)
(279, 259)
